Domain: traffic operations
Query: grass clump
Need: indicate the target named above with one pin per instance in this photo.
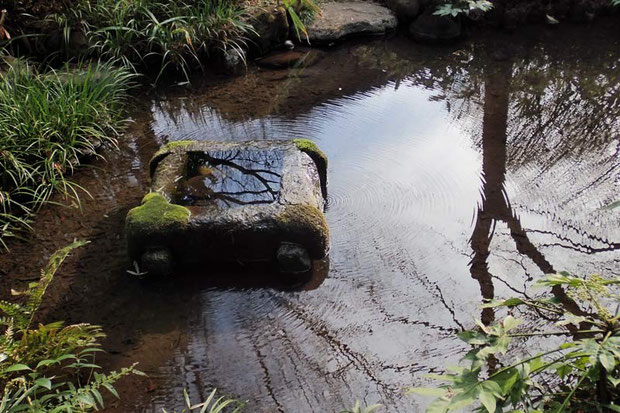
(48, 123)
(168, 35)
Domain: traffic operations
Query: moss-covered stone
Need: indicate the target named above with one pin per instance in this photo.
(155, 216)
(318, 156)
(310, 223)
(165, 150)
(312, 149)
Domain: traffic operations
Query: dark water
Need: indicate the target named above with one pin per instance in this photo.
(455, 174)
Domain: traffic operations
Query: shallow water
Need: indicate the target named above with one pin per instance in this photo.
(455, 174)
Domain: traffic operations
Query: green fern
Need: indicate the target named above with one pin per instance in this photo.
(38, 364)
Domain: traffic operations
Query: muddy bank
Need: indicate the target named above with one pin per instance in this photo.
(449, 180)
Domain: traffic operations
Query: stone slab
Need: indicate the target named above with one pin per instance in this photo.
(343, 19)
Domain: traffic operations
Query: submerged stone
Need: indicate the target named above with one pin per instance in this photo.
(232, 201)
(300, 57)
(342, 19)
(430, 28)
(405, 10)
(293, 258)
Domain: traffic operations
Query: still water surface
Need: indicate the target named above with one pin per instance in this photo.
(455, 174)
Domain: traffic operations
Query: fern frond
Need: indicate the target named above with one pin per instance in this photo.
(37, 291)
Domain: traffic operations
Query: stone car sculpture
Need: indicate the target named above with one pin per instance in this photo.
(232, 202)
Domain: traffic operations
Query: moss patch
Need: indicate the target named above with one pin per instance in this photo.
(165, 150)
(310, 222)
(319, 158)
(311, 148)
(155, 216)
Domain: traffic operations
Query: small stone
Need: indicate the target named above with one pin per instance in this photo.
(270, 29)
(430, 28)
(157, 262)
(405, 10)
(289, 58)
(293, 258)
(233, 61)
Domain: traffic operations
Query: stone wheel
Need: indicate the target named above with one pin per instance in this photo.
(157, 262)
(293, 259)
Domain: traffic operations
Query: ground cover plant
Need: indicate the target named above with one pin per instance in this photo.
(48, 123)
(579, 373)
(49, 367)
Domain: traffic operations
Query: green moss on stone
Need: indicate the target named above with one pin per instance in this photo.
(165, 150)
(311, 148)
(155, 216)
(319, 158)
(312, 223)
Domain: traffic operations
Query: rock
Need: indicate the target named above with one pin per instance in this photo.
(430, 28)
(290, 58)
(157, 262)
(293, 258)
(405, 10)
(341, 19)
(230, 62)
(231, 202)
(271, 27)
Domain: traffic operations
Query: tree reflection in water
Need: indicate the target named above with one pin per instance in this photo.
(232, 178)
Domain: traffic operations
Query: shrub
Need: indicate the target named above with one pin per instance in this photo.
(582, 375)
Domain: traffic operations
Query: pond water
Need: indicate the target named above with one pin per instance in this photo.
(455, 174)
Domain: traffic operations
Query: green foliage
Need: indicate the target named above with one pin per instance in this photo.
(615, 2)
(39, 365)
(212, 405)
(300, 11)
(48, 122)
(455, 7)
(580, 375)
(155, 33)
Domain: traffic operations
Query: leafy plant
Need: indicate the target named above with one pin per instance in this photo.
(48, 123)
(455, 7)
(581, 375)
(309, 9)
(212, 405)
(38, 365)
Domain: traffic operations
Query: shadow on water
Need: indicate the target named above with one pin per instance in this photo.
(231, 276)
(482, 161)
